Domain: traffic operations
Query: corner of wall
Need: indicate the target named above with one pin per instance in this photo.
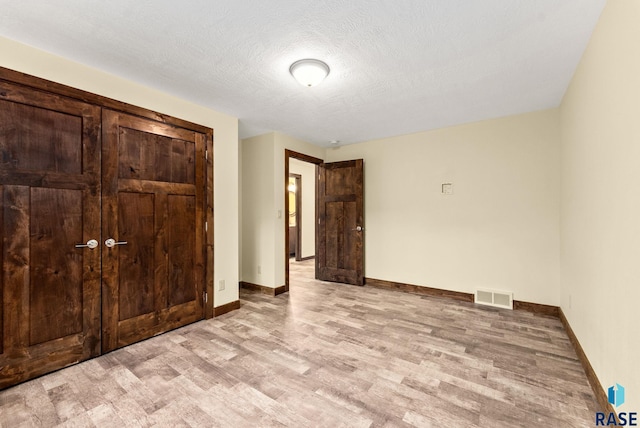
(258, 210)
(600, 207)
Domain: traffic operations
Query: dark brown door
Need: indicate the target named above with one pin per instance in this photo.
(340, 222)
(152, 207)
(49, 202)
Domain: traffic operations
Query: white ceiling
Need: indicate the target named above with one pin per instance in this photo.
(397, 66)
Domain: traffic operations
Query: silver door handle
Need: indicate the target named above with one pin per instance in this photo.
(110, 243)
(358, 229)
(91, 244)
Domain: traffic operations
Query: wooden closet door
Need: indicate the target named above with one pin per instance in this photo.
(153, 202)
(49, 202)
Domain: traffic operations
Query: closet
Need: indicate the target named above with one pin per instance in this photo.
(103, 212)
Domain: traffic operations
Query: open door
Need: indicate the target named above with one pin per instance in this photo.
(340, 231)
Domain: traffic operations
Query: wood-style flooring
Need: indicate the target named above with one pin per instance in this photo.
(325, 355)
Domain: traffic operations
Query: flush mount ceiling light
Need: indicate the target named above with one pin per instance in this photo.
(309, 72)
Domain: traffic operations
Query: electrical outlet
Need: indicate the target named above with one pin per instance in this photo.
(221, 285)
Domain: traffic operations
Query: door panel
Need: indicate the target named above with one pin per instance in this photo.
(41, 139)
(55, 276)
(351, 260)
(340, 213)
(49, 202)
(148, 156)
(334, 234)
(180, 249)
(136, 260)
(153, 199)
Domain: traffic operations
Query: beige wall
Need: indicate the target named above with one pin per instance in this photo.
(32, 61)
(600, 215)
(282, 142)
(263, 205)
(499, 228)
(259, 214)
(308, 172)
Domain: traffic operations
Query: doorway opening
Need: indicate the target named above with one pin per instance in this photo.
(338, 226)
(295, 216)
(300, 217)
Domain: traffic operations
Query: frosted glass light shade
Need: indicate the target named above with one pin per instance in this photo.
(309, 72)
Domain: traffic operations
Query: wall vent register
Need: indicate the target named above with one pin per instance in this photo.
(496, 298)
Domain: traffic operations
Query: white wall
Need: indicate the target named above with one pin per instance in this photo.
(19, 57)
(499, 229)
(308, 227)
(600, 215)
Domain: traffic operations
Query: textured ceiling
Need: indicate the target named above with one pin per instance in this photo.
(397, 66)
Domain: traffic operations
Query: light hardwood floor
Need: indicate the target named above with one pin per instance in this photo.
(325, 355)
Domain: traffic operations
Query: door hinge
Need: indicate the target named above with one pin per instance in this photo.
(205, 297)
(206, 226)
(206, 154)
